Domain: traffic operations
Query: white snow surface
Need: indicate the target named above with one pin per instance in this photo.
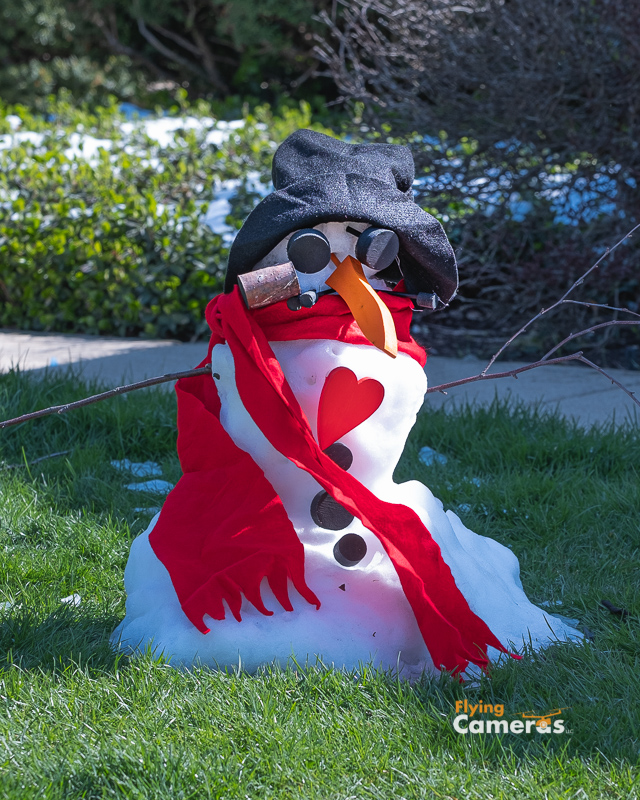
(151, 487)
(571, 204)
(141, 469)
(161, 130)
(364, 615)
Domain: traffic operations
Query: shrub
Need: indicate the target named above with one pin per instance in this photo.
(144, 51)
(526, 139)
(112, 241)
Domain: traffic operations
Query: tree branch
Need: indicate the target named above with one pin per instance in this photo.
(617, 383)
(118, 47)
(593, 328)
(45, 412)
(167, 52)
(587, 304)
(511, 373)
(482, 376)
(544, 311)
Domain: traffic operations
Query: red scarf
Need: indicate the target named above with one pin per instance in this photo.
(223, 528)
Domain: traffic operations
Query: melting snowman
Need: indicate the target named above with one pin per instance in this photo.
(287, 536)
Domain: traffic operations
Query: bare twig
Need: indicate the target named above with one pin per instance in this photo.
(587, 304)
(511, 373)
(175, 37)
(559, 302)
(617, 383)
(167, 52)
(593, 328)
(36, 460)
(109, 31)
(45, 412)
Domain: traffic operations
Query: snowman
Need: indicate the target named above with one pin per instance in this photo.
(287, 537)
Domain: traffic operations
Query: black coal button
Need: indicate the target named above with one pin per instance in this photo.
(328, 513)
(340, 454)
(350, 550)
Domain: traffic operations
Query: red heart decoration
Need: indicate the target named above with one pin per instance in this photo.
(345, 402)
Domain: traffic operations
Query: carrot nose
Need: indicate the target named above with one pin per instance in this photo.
(371, 314)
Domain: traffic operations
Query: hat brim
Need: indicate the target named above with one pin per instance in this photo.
(426, 257)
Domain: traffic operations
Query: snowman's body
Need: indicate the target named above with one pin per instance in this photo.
(364, 615)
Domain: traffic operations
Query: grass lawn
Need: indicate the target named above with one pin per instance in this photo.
(77, 720)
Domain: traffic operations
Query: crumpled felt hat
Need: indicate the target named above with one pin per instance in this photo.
(321, 179)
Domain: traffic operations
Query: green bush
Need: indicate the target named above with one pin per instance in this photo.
(113, 242)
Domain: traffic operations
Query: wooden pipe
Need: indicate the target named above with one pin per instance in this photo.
(269, 285)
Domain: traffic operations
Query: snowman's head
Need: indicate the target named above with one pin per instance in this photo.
(343, 191)
(315, 251)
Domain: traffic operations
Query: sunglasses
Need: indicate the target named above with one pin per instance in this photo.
(309, 250)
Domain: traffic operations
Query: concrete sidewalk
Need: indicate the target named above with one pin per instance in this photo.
(574, 390)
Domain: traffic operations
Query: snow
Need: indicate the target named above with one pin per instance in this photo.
(429, 456)
(151, 487)
(163, 132)
(17, 137)
(220, 207)
(141, 469)
(163, 129)
(73, 600)
(364, 615)
(572, 205)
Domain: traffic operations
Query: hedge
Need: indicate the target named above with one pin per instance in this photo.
(115, 244)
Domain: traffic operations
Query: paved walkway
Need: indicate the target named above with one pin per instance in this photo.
(574, 390)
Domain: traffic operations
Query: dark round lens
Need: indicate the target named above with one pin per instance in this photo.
(377, 248)
(309, 250)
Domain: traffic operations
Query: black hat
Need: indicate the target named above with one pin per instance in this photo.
(320, 179)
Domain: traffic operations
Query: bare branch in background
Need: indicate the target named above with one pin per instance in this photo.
(168, 53)
(546, 360)
(563, 299)
(527, 151)
(482, 376)
(109, 30)
(35, 460)
(131, 387)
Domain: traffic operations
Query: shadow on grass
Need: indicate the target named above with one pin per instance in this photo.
(63, 638)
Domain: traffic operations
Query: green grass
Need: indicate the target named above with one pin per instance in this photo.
(77, 720)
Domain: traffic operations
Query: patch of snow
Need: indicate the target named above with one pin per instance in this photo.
(220, 207)
(151, 487)
(429, 456)
(82, 145)
(72, 600)
(141, 469)
(18, 137)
